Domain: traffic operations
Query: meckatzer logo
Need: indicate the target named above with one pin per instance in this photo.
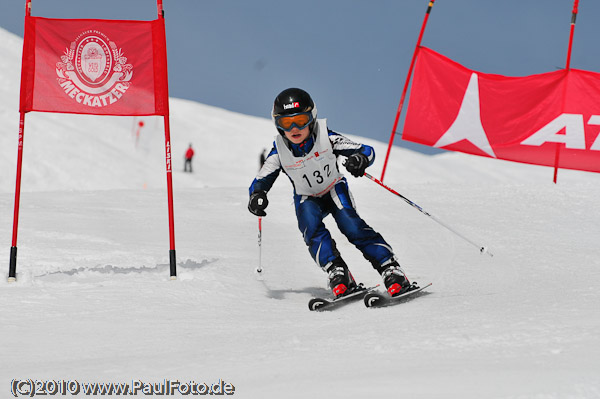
(93, 71)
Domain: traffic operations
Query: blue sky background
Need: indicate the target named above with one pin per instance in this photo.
(352, 56)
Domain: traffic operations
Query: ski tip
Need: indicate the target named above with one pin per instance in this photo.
(372, 299)
(316, 304)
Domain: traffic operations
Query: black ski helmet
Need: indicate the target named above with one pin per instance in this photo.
(293, 101)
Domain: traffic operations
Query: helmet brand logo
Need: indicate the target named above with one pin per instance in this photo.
(292, 105)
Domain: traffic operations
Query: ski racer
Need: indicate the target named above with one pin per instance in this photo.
(307, 151)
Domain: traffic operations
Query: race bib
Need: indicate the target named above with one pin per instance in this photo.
(315, 173)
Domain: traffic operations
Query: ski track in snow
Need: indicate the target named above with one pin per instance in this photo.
(93, 301)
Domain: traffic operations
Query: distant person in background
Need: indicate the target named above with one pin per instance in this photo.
(189, 154)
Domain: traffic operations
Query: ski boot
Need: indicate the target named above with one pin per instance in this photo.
(394, 279)
(340, 279)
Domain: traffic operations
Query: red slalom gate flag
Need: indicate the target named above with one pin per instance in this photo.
(550, 119)
(93, 66)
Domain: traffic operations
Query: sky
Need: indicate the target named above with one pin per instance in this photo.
(353, 57)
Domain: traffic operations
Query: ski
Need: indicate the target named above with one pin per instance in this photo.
(320, 304)
(379, 299)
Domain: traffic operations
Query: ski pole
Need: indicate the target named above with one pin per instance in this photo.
(482, 249)
(259, 267)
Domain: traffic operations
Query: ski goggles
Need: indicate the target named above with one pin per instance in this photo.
(287, 122)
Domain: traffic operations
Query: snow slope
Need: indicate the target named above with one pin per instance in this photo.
(93, 301)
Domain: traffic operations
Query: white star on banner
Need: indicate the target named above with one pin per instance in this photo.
(467, 125)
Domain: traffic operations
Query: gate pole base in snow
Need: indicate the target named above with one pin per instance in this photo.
(12, 271)
(173, 262)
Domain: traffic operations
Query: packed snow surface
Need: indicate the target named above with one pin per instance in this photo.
(93, 301)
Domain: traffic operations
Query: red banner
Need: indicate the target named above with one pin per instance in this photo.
(92, 66)
(550, 119)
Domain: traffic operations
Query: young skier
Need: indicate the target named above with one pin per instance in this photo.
(306, 150)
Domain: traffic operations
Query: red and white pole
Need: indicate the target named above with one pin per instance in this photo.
(573, 18)
(159, 9)
(12, 271)
(567, 68)
(410, 69)
(169, 166)
(12, 268)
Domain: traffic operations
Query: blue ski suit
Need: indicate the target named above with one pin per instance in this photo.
(336, 200)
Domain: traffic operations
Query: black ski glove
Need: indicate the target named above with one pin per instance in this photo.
(258, 202)
(356, 164)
